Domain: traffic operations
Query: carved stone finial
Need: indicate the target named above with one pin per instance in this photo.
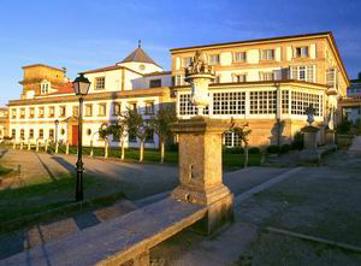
(310, 111)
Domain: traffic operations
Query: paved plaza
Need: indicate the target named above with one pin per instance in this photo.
(320, 202)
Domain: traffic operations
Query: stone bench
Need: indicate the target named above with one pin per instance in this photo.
(126, 239)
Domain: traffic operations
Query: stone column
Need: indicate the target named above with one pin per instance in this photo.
(310, 153)
(200, 170)
(330, 136)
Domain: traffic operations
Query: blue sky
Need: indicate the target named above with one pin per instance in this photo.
(82, 35)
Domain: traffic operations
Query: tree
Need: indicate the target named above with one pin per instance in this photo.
(243, 133)
(119, 131)
(137, 127)
(160, 123)
(103, 134)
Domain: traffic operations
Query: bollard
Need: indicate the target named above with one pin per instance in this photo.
(29, 145)
(21, 145)
(14, 145)
(56, 147)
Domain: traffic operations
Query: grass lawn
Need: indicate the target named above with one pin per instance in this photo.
(45, 199)
(230, 160)
(4, 170)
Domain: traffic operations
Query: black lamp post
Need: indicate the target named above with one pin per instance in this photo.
(81, 87)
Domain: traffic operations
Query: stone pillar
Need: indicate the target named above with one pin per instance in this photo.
(200, 170)
(29, 145)
(310, 153)
(14, 145)
(330, 136)
(21, 145)
(310, 137)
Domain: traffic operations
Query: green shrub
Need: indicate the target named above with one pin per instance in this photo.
(344, 127)
(273, 149)
(172, 147)
(285, 148)
(254, 150)
(297, 143)
(234, 150)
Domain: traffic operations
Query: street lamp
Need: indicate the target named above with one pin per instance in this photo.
(81, 87)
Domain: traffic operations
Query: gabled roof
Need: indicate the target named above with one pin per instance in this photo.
(138, 55)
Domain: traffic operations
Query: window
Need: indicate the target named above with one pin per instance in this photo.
(13, 113)
(51, 111)
(185, 105)
(268, 54)
(225, 103)
(75, 110)
(285, 102)
(51, 133)
(149, 135)
(179, 80)
(41, 133)
(62, 112)
(102, 109)
(305, 73)
(301, 100)
(31, 112)
(22, 134)
(155, 83)
(149, 108)
(239, 78)
(22, 113)
(100, 83)
(88, 110)
(240, 57)
(263, 102)
(301, 51)
(31, 133)
(186, 61)
(213, 59)
(231, 139)
(267, 76)
(331, 78)
(89, 132)
(41, 112)
(44, 87)
(116, 109)
(132, 105)
(13, 133)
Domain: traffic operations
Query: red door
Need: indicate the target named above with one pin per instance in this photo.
(74, 136)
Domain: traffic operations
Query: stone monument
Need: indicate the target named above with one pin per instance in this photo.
(310, 152)
(200, 153)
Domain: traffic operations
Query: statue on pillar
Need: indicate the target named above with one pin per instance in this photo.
(199, 74)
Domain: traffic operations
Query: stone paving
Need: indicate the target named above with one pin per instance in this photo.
(316, 201)
(144, 179)
(138, 180)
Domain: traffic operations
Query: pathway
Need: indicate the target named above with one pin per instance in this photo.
(355, 148)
